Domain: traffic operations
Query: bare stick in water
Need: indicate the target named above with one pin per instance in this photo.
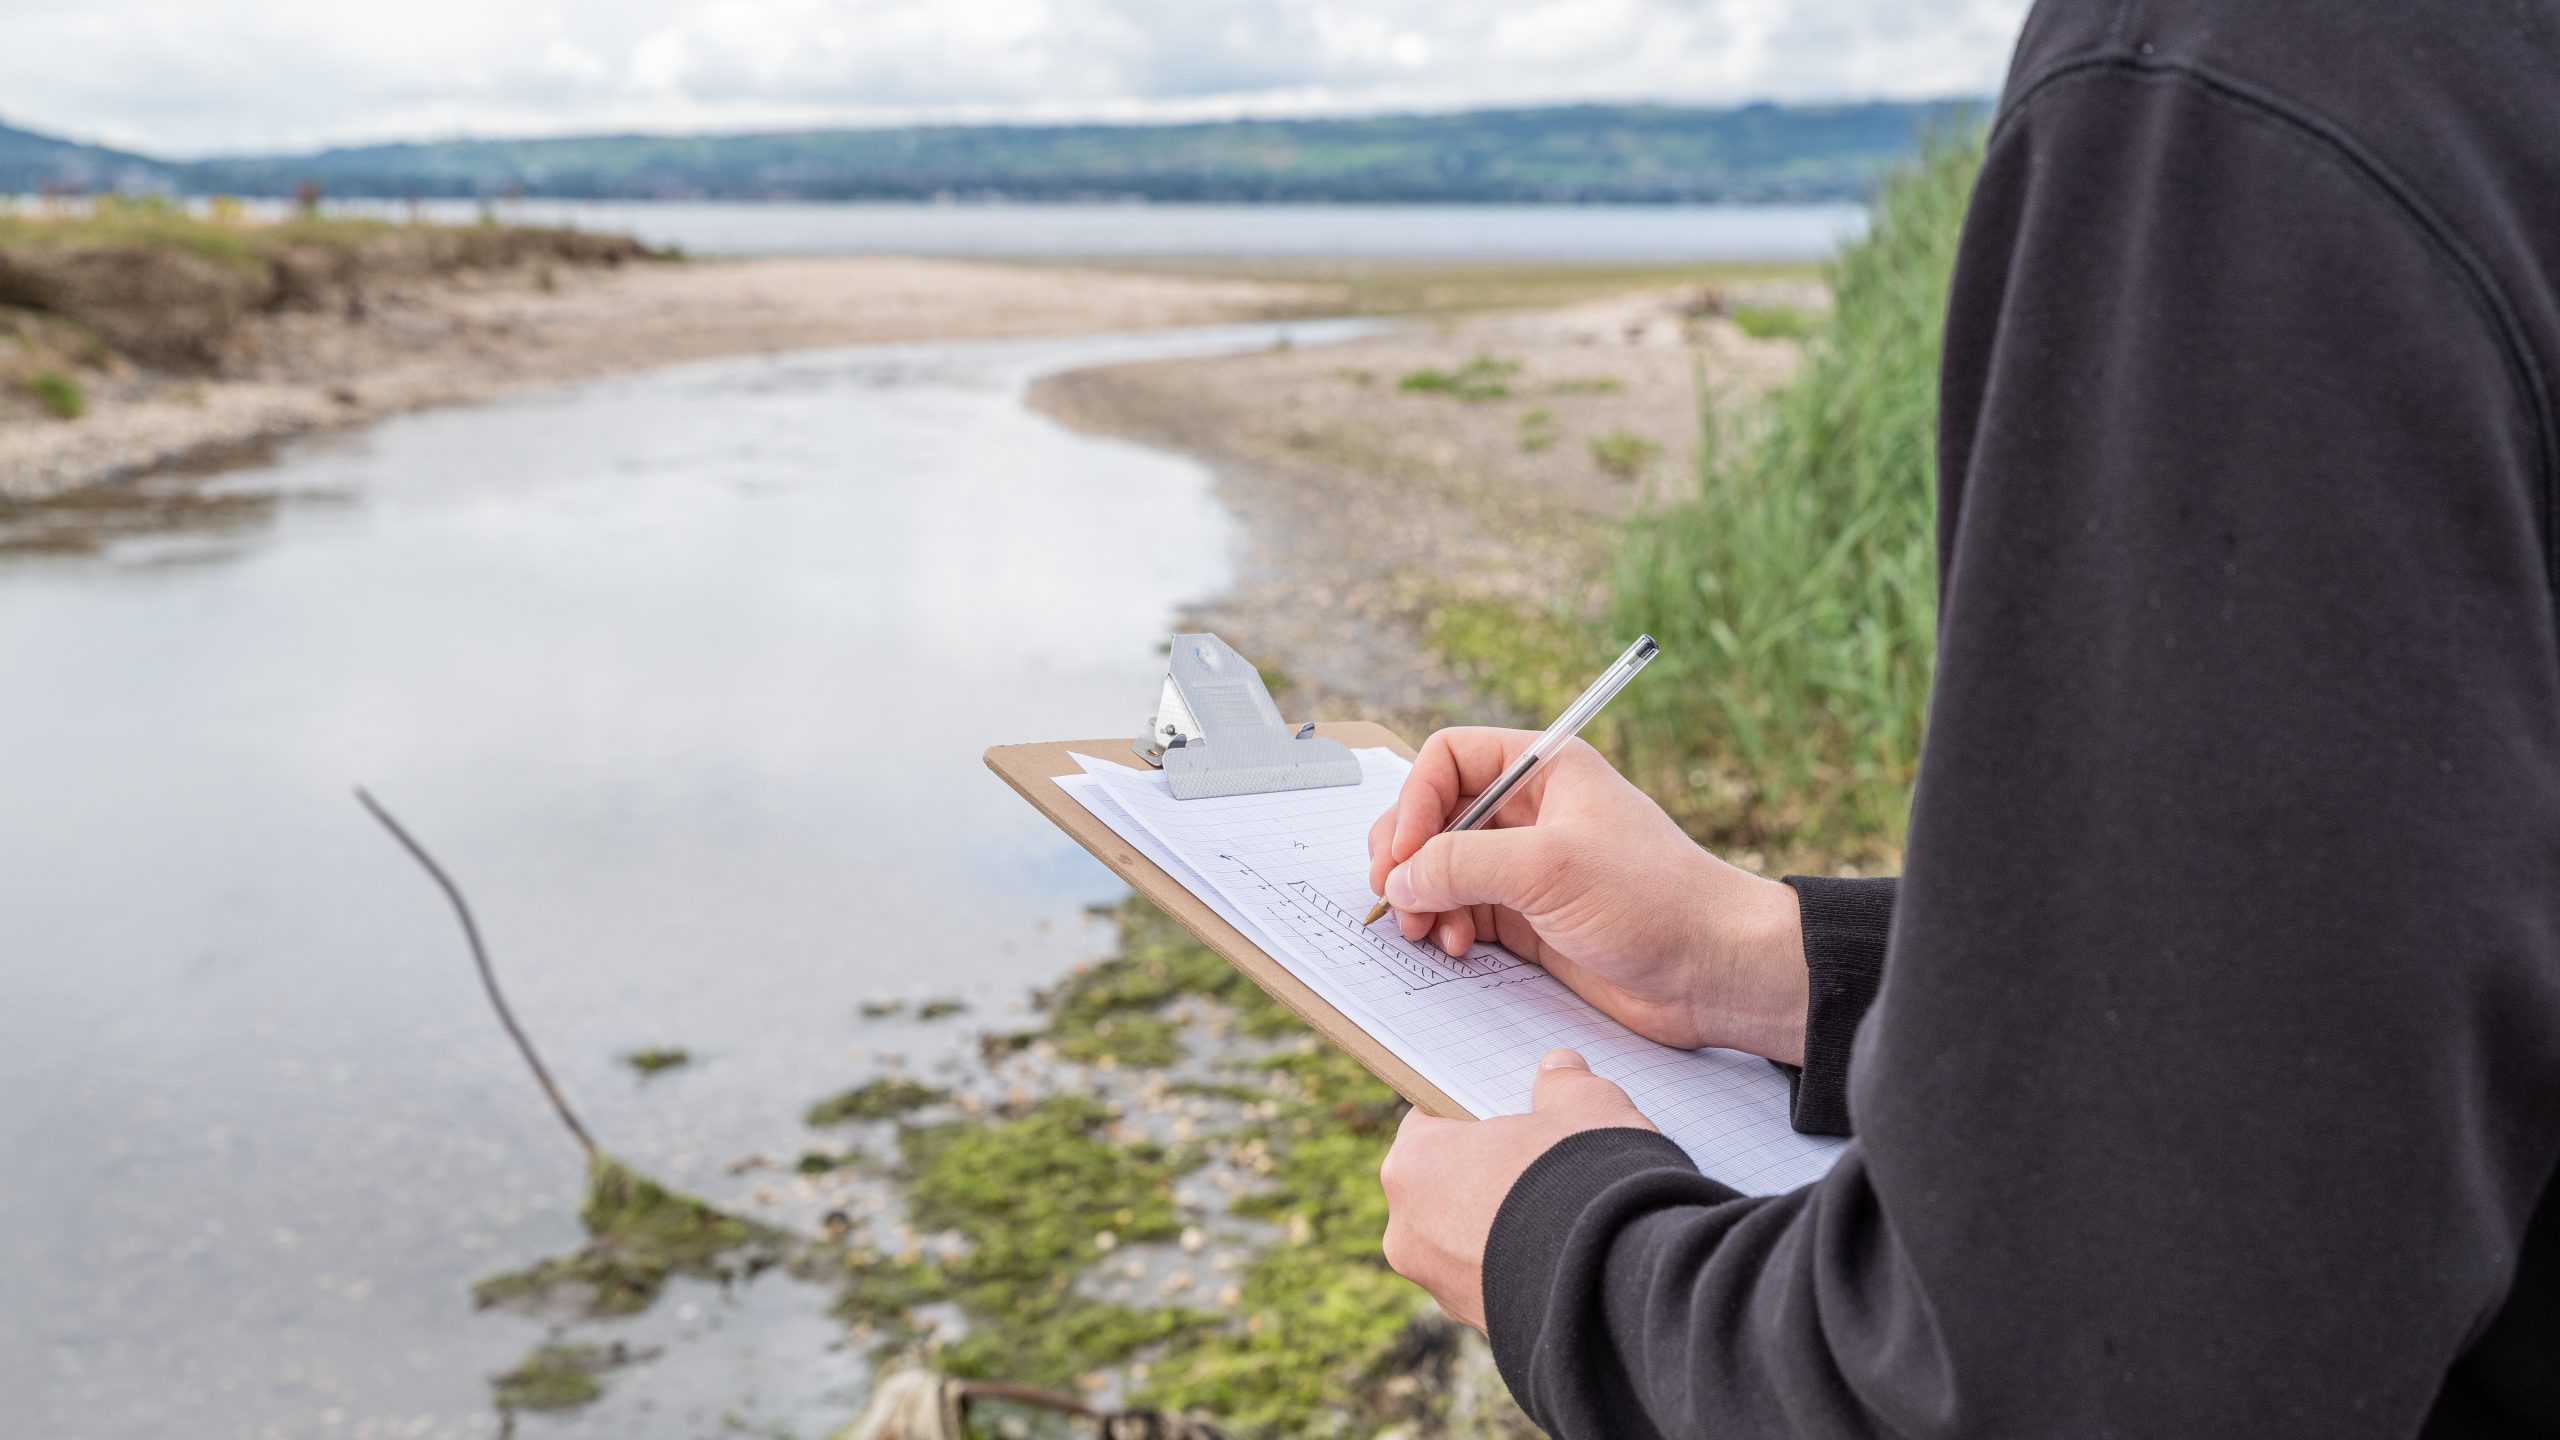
(488, 976)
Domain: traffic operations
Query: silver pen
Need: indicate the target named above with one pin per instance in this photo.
(1543, 749)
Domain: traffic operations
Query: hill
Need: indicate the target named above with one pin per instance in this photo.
(1574, 153)
(30, 163)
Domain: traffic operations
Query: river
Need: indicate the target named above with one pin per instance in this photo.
(1648, 234)
(686, 677)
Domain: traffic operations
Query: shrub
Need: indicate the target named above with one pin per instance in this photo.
(1795, 592)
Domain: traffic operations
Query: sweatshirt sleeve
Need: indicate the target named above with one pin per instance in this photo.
(2207, 1092)
(1846, 923)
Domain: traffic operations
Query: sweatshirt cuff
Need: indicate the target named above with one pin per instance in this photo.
(1846, 924)
(1526, 1255)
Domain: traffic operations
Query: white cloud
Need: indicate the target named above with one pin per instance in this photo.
(191, 78)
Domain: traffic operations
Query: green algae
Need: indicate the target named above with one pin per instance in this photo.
(886, 1098)
(556, 1376)
(639, 1235)
(654, 1059)
(1112, 1011)
(1318, 1336)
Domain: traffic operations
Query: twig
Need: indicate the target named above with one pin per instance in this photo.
(488, 976)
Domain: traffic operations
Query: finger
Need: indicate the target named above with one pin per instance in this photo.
(1565, 1081)
(1416, 925)
(1455, 932)
(1454, 764)
(1475, 867)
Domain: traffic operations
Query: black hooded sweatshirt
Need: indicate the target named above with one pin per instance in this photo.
(2212, 1083)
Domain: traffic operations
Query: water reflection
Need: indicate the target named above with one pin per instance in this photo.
(686, 676)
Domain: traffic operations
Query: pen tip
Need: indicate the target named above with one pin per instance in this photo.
(1374, 912)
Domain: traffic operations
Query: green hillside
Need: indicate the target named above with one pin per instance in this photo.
(30, 162)
(1576, 153)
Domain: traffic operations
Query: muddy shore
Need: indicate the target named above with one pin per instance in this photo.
(465, 337)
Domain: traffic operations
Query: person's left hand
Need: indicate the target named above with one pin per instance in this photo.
(1446, 1178)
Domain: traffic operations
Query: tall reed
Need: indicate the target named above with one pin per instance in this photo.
(1795, 590)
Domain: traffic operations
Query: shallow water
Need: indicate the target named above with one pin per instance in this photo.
(1484, 233)
(686, 677)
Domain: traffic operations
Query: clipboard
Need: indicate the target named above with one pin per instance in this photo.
(1031, 771)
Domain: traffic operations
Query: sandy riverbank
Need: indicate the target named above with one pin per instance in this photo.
(1394, 486)
(465, 338)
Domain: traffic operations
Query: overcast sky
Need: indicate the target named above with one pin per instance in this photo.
(190, 77)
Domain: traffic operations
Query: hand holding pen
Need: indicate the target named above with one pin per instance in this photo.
(1576, 870)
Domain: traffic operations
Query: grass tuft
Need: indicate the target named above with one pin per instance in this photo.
(1623, 453)
(62, 397)
(1775, 322)
(1486, 377)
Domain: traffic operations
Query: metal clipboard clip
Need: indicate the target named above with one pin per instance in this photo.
(1217, 732)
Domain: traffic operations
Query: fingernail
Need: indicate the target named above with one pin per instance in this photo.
(1562, 1059)
(1399, 889)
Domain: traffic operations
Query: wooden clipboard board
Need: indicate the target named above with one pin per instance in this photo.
(1031, 769)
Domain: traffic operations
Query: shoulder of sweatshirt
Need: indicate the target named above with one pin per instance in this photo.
(2449, 114)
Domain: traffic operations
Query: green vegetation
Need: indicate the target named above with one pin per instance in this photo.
(61, 395)
(1486, 377)
(556, 1376)
(1112, 1011)
(1795, 592)
(1624, 453)
(1774, 322)
(1323, 1316)
(153, 223)
(886, 1098)
(651, 1060)
(881, 1009)
(1533, 662)
(1314, 1327)
(1537, 428)
(941, 1009)
(1031, 1196)
(1586, 385)
(158, 284)
(639, 1233)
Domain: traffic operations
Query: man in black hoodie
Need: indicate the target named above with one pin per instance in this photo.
(2204, 1067)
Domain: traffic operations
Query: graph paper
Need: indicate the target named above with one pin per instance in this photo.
(1291, 871)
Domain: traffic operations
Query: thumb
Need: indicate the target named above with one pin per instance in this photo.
(1472, 867)
(1565, 1082)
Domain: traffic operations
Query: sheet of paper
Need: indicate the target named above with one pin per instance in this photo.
(1291, 871)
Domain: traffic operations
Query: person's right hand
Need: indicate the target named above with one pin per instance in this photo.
(1584, 875)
